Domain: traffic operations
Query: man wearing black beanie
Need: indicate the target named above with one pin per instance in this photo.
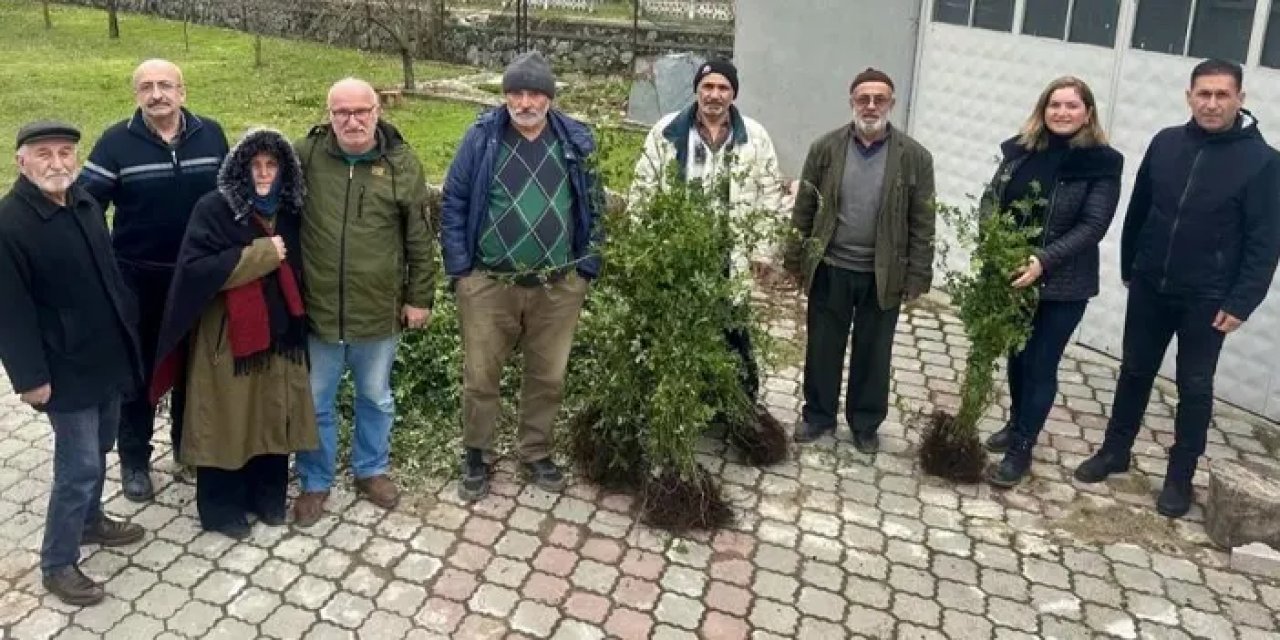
(710, 141)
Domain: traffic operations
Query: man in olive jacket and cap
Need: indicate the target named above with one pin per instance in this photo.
(68, 344)
(368, 273)
(865, 212)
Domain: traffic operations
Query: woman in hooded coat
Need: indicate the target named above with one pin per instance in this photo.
(234, 333)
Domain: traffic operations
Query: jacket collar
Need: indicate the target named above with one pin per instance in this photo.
(386, 138)
(574, 135)
(1099, 161)
(41, 204)
(677, 131)
(191, 123)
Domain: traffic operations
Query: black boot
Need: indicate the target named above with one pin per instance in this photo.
(1102, 464)
(999, 441)
(1015, 464)
(1176, 497)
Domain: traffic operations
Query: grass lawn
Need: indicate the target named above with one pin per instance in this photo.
(75, 73)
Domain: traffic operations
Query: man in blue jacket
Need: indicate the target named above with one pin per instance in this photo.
(520, 237)
(1200, 245)
(153, 167)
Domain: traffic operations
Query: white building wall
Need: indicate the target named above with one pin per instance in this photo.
(974, 88)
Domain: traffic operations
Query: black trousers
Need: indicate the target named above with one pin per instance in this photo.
(137, 417)
(225, 497)
(1033, 371)
(1151, 321)
(739, 341)
(838, 298)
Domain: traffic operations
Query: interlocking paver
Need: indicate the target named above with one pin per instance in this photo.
(831, 543)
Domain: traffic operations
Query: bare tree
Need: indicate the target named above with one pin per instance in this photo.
(414, 27)
(113, 21)
(248, 28)
(186, 23)
(48, 20)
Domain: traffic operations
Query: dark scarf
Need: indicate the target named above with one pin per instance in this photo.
(268, 205)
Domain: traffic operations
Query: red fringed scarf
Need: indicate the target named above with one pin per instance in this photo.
(248, 317)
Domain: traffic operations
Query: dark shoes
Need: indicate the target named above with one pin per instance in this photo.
(866, 441)
(475, 477)
(999, 441)
(111, 533)
(1009, 472)
(308, 508)
(379, 490)
(806, 432)
(1175, 499)
(271, 516)
(1102, 464)
(73, 587)
(237, 529)
(545, 474)
(136, 483)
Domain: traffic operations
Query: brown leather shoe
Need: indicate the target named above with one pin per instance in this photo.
(308, 508)
(73, 587)
(380, 490)
(112, 533)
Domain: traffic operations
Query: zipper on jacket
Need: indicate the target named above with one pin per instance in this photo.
(173, 153)
(360, 204)
(342, 258)
(1177, 216)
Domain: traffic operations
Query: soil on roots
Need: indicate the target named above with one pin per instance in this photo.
(760, 438)
(600, 460)
(951, 453)
(676, 504)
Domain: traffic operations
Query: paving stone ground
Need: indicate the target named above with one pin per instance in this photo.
(830, 544)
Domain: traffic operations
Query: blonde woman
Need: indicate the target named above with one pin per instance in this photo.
(1059, 162)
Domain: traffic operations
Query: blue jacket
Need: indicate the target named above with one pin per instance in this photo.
(152, 185)
(1203, 219)
(466, 191)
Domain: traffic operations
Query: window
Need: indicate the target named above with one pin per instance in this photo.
(1271, 45)
(1046, 18)
(1221, 29)
(996, 15)
(952, 11)
(1094, 22)
(1162, 26)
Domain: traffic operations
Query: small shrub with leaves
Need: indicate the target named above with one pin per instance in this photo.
(997, 321)
(659, 370)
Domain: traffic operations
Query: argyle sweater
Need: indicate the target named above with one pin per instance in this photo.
(529, 224)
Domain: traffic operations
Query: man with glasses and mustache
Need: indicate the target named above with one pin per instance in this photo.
(521, 237)
(67, 343)
(1199, 249)
(368, 274)
(714, 144)
(153, 167)
(864, 209)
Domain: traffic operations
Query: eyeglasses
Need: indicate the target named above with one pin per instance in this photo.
(868, 100)
(164, 86)
(347, 114)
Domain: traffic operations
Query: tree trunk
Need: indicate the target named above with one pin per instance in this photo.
(257, 50)
(113, 21)
(48, 20)
(186, 22)
(406, 61)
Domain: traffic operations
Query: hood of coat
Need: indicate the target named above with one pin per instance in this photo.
(235, 179)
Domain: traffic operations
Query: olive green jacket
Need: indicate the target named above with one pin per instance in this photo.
(367, 243)
(904, 228)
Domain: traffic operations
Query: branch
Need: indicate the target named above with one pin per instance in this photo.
(399, 37)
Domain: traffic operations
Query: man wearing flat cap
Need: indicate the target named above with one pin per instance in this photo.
(67, 343)
(520, 236)
(864, 209)
(713, 143)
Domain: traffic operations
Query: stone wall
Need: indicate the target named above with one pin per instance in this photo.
(474, 38)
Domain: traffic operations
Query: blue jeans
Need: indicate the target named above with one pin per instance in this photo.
(81, 440)
(375, 410)
(1033, 371)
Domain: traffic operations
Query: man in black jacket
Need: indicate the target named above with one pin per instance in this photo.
(67, 344)
(153, 167)
(1199, 249)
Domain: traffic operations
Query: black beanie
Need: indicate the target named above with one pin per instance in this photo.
(720, 66)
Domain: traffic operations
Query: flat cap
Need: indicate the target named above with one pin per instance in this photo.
(45, 130)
